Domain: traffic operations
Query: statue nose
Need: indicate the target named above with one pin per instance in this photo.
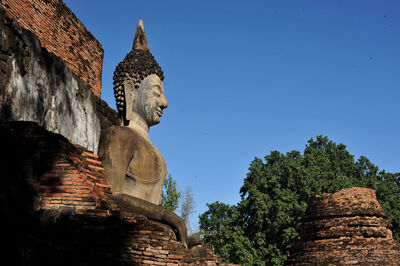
(164, 102)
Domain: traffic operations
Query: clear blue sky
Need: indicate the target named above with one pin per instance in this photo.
(243, 78)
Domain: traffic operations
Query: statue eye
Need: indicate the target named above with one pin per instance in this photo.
(157, 91)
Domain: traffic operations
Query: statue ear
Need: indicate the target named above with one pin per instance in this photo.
(129, 88)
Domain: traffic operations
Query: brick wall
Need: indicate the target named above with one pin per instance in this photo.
(61, 33)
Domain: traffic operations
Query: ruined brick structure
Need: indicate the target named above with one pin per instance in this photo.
(61, 33)
(58, 209)
(347, 227)
(55, 203)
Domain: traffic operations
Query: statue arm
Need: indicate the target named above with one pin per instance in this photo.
(128, 203)
(116, 150)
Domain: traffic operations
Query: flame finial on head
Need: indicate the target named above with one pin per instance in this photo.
(140, 41)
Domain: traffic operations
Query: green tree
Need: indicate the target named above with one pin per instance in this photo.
(220, 229)
(170, 195)
(274, 197)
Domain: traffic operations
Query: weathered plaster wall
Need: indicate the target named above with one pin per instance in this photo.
(61, 33)
(36, 85)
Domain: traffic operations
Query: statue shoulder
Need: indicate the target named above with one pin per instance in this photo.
(116, 139)
(118, 133)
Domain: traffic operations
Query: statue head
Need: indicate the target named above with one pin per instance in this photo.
(138, 84)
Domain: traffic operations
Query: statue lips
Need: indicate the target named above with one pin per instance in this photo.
(159, 112)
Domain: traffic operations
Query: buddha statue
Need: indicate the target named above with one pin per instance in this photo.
(133, 165)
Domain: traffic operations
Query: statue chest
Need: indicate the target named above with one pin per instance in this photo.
(147, 165)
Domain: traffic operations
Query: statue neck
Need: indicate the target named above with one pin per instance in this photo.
(139, 125)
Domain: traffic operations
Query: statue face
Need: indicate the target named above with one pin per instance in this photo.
(149, 100)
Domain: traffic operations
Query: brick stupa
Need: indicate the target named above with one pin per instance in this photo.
(347, 227)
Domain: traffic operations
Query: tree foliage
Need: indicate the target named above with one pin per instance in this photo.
(170, 195)
(221, 230)
(261, 228)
